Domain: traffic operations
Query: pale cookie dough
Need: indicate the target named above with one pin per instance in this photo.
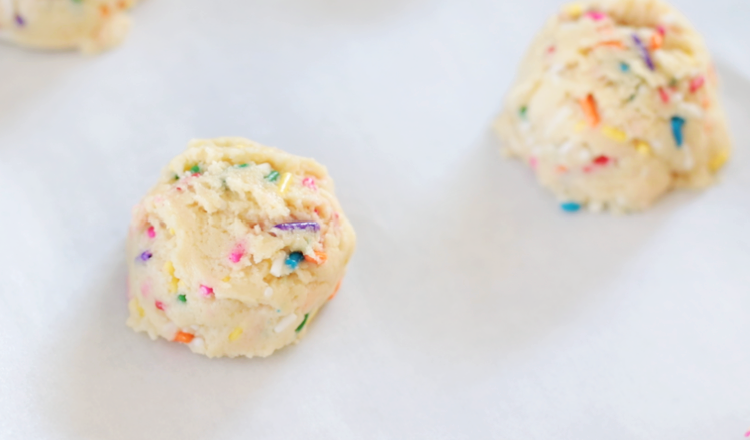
(87, 25)
(235, 249)
(615, 104)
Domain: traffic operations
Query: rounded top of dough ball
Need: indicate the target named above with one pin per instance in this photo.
(615, 103)
(236, 235)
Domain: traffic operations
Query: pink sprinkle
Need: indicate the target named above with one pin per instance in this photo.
(237, 253)
(747, 434)
(664, 95)
(310, 183)
(697, 83)
(660, 29)
(159, 305)
(146, 289)
(206, 291)
(588, 169)
(151, 232)
(596, 15)
(533, 162)
(551, 49)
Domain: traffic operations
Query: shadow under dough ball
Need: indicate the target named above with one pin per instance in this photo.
(615, 104)
(235, 249)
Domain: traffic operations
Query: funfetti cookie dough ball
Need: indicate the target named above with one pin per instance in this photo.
(235, 249)
(88, 25)
(615, 104)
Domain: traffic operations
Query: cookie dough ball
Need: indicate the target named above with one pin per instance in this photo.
(88, 25)
(615, 104)
(235, 249)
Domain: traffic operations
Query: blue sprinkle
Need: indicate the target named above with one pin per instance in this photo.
(677, 124)
(570, 206)
(293, 259)
(624, 67)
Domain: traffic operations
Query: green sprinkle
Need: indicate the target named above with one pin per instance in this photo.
(182, 298)
(302, 324)
(195, 169)
(522, 112)
(242, 165)
(673, 82)
(273, 176)
(176, 177)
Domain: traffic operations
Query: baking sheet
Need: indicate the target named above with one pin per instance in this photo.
(473, 308)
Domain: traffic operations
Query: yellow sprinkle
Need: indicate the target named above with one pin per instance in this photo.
(284, 183)
(643, 147)
(235, 334)
(138, 308)
(226, 279)
(580, 126)
(171, 231)
(574, 10)
(174, 281)
(719, 160)
(614, 133)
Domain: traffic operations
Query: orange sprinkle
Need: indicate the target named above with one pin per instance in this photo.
(183, 337)
(657, 41)
(338, 286)
(562, 169)
(104, 9)
(588, 105)
(320, 257)
(614, 43)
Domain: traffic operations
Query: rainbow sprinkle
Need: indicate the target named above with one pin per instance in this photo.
(302, 325)
(236, 255)
(284, 323)
(206, 291)
(697, 83)
(182, 298)
(644, 52)
(588, 105)
(286, 178)
(614, 133)
(298, 226)
(310, 183)
(678, 125)
(235, 334)
(183, 337)
(159, 305)
(294, 259)
(20, 21)
(596, 15)
(151, 232)
(273, 176)
(643, 147)
(570, 206)
(145, 256)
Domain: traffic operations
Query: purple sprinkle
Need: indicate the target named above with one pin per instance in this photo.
(644, 52)
(20, 21)
(300, 226)
(146, 255)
